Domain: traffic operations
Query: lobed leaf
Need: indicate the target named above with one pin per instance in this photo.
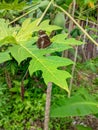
(29, 27)
(6, 33)
(47, 64)
(25, 48)
(62, 39)
(12, 6)
(4, 56)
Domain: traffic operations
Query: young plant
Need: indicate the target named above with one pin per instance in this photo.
(22, 46)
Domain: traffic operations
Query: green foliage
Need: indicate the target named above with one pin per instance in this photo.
(4, 103)
(60, 123)
(75, 32)
(15, 5)
(78, 105)
(6, 33)
(94, 34)
(60, 2)
(59, 20)
(28, 27)
(15, 113)
(43, 5)
(81, 127)
(62, 39)
(4, 56)
(18, 44)
(90, 65)
(48, 65)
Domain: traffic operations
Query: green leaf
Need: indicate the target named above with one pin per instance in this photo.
(59, 20)
(62, 39)
(87, 1)
(8, 39)
(4, 29)
(19, 53)
(45, 26)
(81, 127)
(29, 27)
(26, 30)
(47, 64)
(12, 6)
(77, 105)
(25, 48)
(6, 33)
(4, 56)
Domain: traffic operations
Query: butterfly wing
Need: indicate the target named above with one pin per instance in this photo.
(43, 41)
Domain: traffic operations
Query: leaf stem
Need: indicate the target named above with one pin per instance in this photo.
(76, 24)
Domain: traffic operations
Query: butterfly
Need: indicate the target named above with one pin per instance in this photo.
(43, 40)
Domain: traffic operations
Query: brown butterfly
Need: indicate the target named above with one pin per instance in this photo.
(43, 40)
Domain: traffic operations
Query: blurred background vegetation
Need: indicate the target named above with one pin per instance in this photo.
(26, 112)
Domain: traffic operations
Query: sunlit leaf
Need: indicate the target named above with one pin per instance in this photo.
(25, 47)
(62, 39)
(12, 6)
(6, 33)
(29, 27)
(47, 64)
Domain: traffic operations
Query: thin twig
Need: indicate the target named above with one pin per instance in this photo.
(73, 69)
(71, 22)
(25, 75)
(22, 16)
(22, 85)
(8, 79)
(84, 40)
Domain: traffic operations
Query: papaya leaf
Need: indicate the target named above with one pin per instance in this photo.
(47, 64)
(4, 56)
(26, 30)
(77, 105)
(45, 26)
(20, 53)
(4, 29)
(6, 33)
(69, 41)
(29, 27)
(28, 49)
(8, 39)
(12, 6)
(25, 48)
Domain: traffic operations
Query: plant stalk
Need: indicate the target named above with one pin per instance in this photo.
(22, 16)
(73, 70)
(44, 12)
(47, 108)
(70, 29)
(77, 24)
(49, 86)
